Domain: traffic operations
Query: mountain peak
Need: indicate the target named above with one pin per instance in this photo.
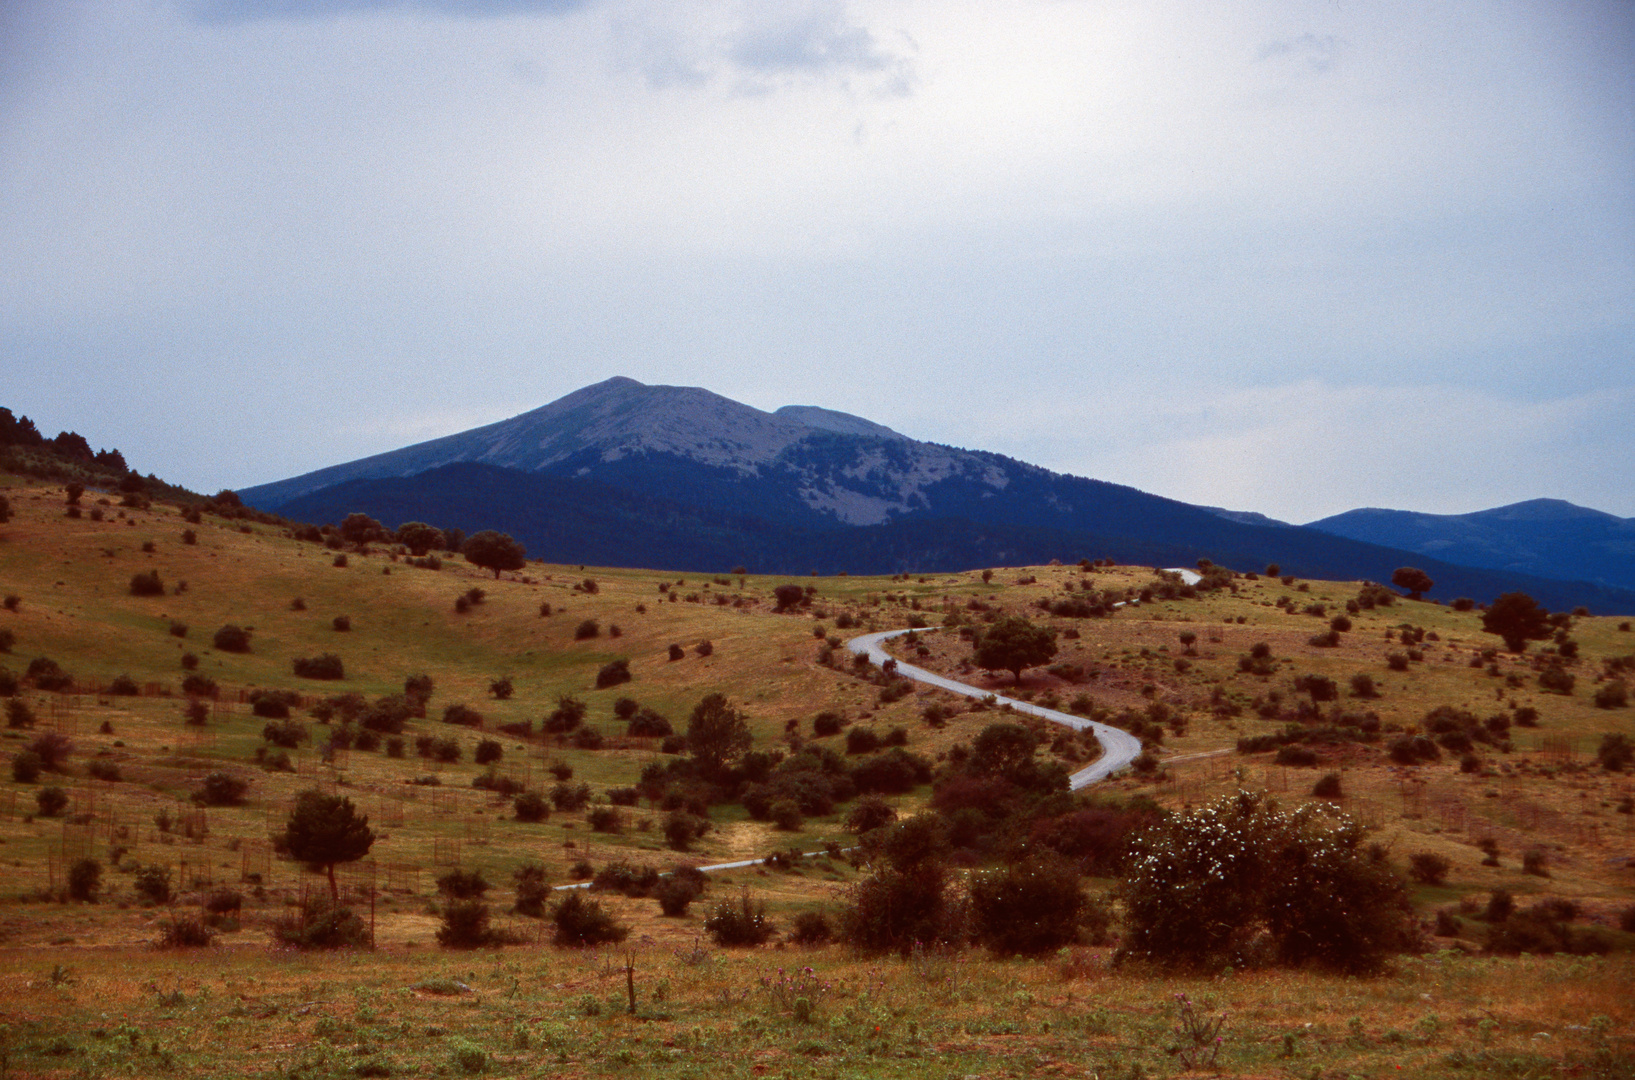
(842, 423)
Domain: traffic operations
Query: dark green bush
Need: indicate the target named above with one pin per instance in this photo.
(85, 880)
(51, 801)
(681, 828)
(221, 789)
(462, 715)
(675, 894)
(1031, 907)
(322, 666)
(1556, 680)
(184, 932)
(465, 925)
(532, 890)
(1428, 868)
(320, 926)
(286, 733)
(152, 883)
(25, 767)
(233, 639)
(530, 806)
(612, 674)
(581, 920)
(739, 923)
(462, 884)
(147, 583)
(811, 928)
(47, 674)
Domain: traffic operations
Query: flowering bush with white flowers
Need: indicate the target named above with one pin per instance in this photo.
(1244, 882)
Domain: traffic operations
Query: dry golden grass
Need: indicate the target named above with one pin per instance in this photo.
(994, 1017)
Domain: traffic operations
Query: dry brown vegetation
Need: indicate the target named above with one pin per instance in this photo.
(87, 995)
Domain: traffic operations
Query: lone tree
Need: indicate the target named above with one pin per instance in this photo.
(1012, 644)
(324, 830)
(1518, 619)
(494, 551)
(419, 537)
(1416, 581)
(716, 733)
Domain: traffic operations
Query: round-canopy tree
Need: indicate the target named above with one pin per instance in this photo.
(1416, 581)
(1518, 619)
(1012, 644)
(494, 551)
(361, 528)
(419, 537)
(324, 830)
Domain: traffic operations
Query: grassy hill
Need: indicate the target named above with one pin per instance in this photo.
(85, 993)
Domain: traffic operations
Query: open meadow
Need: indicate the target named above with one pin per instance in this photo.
(177, 763)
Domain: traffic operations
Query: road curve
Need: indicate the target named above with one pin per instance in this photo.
(1119, 748)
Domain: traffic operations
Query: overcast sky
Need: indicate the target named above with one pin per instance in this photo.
(1285, 257)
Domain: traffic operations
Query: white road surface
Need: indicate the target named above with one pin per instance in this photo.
(1119, 748)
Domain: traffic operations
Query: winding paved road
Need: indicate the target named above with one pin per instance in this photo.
(1119, 748)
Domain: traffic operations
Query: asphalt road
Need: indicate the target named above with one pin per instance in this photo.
(1119, 748)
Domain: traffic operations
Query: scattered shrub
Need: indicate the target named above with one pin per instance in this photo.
(676, 893)
(532, 890)
(1030, 907)
(612, 674)
(321, 926)
(52, 748)
(47, 674)
(581, 920)
(184, 932)
(465, 926)
(147, 583)
(1556, 680)
(1612, 695)
(85, 880)
(739, 923)
(530, 806)
(152, 883)
(586, 630)
(25, 767)
(342, 625)
(1428, 868)
(681, 829)
(51, 801)
(502, 688)
(462, 715)
(1328, 787)
(221, 789)
(323, 666)
(488, 752)
(233, 639)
